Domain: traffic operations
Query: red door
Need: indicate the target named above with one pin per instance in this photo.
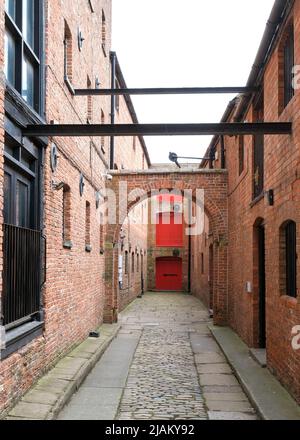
(169, 274)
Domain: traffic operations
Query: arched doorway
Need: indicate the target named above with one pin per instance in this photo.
(169, 274)
(140, 186)
(259, 282)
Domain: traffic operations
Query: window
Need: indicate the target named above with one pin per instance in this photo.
(23, 49)
(117, 98)
(202, 264)
(143, 161)
(66, 233)
(288, 56)
(288, 259)
(102, 137)
(103, 33)
(126, 262)
(132, 262)
(89, 102)
(137, 263)
(258, 151)
(68, 54)
(241, 154)
(101, 233)
(88, 227)
(21, 282)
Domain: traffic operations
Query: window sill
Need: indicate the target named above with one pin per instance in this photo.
(69, 85)
(68, 244)
(290, 301)
(104, 50)
(21, 336)
(257, 199)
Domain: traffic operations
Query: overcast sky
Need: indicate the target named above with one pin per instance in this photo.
(191, 43)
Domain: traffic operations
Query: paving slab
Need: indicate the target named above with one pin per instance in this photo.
(49, 395)
(214, 368)
(268, 396)
(28, 410)
(209, 358)
(228, 406)
(218, 379)
(219, 415)
(99, 396)
(229, 397)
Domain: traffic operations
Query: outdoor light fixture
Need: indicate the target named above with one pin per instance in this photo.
(97, 83)
(80, 39)
(173, 157)
(106, 176)
(58, 186)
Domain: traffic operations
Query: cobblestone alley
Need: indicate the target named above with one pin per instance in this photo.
(164, 364)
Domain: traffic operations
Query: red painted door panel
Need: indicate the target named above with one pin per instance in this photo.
(169, 230)
(169, 274)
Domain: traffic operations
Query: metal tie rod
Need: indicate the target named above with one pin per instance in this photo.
(165, 91)
(231, 129)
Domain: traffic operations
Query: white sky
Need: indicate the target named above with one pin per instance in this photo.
(190, 43)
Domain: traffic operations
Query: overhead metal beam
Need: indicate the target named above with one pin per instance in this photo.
(231, 129)
(165, 91)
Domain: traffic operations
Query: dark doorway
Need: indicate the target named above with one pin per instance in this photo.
(262, 286)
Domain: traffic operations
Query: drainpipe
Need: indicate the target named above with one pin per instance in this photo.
(112, 111)
(223, 162)
(190, 248)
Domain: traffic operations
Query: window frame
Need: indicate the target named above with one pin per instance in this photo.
(35, 55)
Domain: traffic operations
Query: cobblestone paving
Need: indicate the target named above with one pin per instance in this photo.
(163, 382)
(178, 371)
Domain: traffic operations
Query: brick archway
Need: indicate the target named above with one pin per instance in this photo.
(214, 184)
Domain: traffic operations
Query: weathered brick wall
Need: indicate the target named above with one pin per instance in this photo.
(3, 382)
(200, 275)
(135, 229)
(282, 171)
(74, 292)
(214, 183)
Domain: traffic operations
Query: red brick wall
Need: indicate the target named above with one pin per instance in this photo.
(214, 184)
(201, 277)
(75, 287)
(282, 160)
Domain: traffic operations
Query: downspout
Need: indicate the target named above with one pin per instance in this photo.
(112, 111)
(190, 248)
(270, 34)
(223, 160)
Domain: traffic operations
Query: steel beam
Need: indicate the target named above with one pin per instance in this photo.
(165, 91)
(231, 129)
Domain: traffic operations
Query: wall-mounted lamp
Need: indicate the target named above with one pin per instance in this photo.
(106, 176)
(57, 186)
(97, 83)
(270, 195)
(80, 39)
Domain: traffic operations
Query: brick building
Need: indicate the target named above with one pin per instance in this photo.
(264, 202)
(54, 249)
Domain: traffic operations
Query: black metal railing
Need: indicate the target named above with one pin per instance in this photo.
(21, 273)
